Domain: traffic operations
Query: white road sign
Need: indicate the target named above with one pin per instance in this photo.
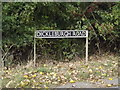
(61, 34)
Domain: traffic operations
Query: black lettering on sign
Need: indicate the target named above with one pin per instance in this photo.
(61, 33)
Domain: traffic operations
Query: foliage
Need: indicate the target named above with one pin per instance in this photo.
(21, 19)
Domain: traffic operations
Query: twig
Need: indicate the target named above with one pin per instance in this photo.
(7, 52)
(90, 24)
(9, 83)
(95, 34)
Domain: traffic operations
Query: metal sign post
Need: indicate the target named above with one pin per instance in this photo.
(61, 34)
(86, 49)
(34, 51)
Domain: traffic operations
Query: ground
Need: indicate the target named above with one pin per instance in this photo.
(99, 84)
(100, 71)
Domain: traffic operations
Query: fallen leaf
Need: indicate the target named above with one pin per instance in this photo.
(110, 78)
(90, 70)
(72, 81)
(109, 85)
(100, 67)
(44, 65)
(41, 73)
(34, 75)
(26, 76)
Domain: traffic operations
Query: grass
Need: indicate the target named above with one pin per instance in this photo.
(48, 75)
(44, 69)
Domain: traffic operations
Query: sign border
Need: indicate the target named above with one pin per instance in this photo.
(63, 36)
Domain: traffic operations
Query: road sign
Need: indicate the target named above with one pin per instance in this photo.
(61, 34)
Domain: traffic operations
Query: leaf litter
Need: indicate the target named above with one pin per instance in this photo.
(46, 76)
